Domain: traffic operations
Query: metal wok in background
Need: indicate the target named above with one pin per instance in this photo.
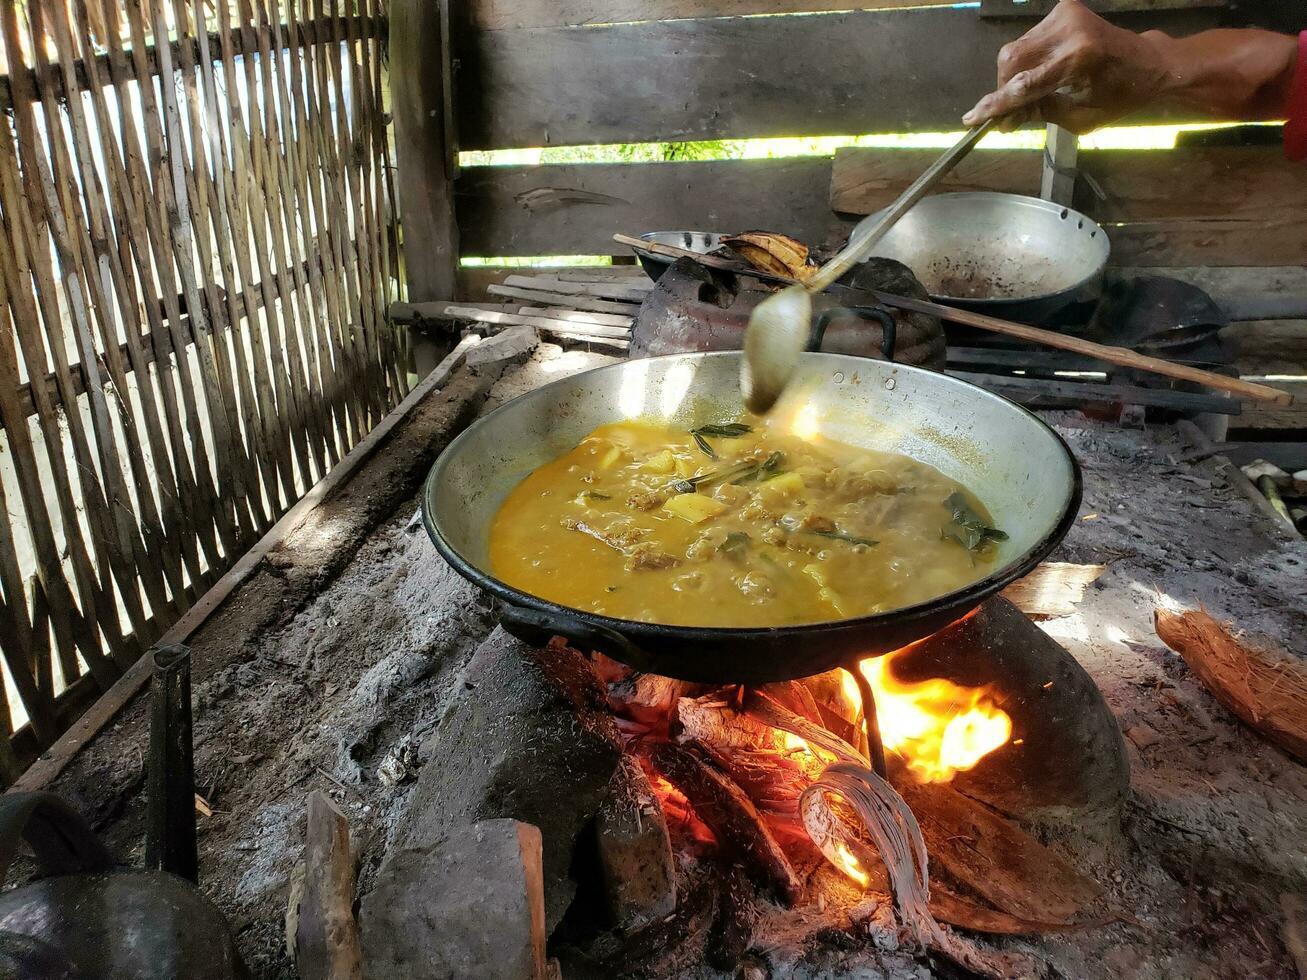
(1015, 464)
(1019, 258)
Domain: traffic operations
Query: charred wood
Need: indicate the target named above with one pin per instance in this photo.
(731, 816)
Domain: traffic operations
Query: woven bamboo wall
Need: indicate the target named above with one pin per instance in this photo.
(195, 262)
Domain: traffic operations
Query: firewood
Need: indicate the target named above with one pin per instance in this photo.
(997, 860)
(737, 915)
(838, 714)
(795, 696)
(649, 698)
(731, 816)
(635, 853)
(1053, 589)
(1264, 686)
(1032, 889)
(715, 722)
(327, 935)
(669, 947)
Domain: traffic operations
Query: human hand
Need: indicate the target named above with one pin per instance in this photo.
(1075, 69)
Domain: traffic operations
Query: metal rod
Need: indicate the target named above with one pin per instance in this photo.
(875, 747)
(170, 814)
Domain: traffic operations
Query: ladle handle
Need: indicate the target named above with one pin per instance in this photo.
(872, 229)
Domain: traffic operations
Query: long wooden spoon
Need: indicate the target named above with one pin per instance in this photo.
(1121, 356)
(779, 325)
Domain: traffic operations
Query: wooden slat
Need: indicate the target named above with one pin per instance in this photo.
(574, 210)
(156, 189)
(1198, 205)
(1056, 393)
(501, 15)
(410, 312)
(82, 237)
(820, 74)
(1276, 421)
(865, 179)
(193, 273)
(36, 311)
(1184, 206)
(622, 292)
(323, 164)
(173, 484)
(1289, 456)
(579, 317)
(558, 299)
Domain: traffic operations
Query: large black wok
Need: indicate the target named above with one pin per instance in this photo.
(1015, 463)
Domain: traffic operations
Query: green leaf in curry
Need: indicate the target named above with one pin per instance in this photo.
(723, 430)
(703, 445)
(735, 544)
(767, 467)
(966, 527)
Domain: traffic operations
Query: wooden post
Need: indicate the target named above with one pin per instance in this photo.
(426, 180)
(1059, 180)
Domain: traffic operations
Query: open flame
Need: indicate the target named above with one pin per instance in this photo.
(847, 861)
(939, 728)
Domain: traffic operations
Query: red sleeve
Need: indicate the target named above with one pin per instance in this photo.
(1295, 130)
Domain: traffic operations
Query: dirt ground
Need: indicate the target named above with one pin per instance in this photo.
(1213, 835)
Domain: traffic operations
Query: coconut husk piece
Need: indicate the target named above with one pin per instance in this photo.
(1262, 684)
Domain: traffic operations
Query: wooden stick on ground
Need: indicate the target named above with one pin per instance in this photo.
(1112, 355)
(327, 945)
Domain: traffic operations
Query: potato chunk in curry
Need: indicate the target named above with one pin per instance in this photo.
(737, 524)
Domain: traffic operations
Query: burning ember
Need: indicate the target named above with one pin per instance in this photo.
(939, 728)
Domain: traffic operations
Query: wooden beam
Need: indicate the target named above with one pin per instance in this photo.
(1288, 456)
(426, 198)
(1275, 421)
(732, 77)
(575, 209)
(242, 42)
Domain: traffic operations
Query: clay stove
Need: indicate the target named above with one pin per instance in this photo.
(686, 824)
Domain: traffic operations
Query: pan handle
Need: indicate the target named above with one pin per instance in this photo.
(537, 627)
(878, 314)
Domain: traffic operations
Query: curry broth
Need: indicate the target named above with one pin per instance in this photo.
(741, 524)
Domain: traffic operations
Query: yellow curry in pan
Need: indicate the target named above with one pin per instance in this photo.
(737, 524)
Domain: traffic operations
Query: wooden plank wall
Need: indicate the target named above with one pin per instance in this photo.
(194, 265)
(539, 73)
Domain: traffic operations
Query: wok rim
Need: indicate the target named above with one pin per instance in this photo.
(964, 599)
(1039, 204)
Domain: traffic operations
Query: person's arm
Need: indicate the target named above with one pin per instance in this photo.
(1077, 70)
